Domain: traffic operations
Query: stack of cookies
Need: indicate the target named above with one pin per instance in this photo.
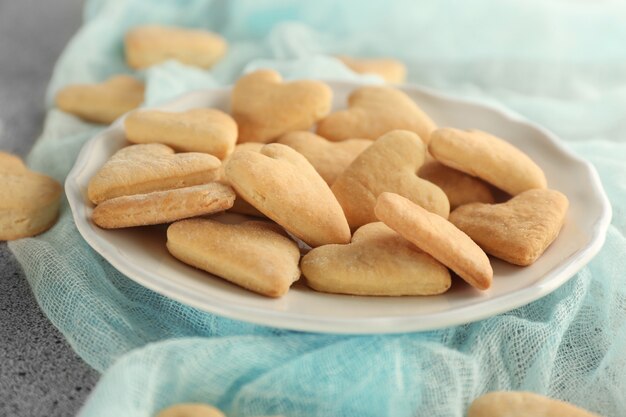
(371, 200)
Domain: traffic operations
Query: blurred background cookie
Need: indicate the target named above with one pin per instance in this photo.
(152, 44)
(29, 201)
(103, 102)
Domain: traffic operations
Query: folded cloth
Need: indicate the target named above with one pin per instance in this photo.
(562, 64)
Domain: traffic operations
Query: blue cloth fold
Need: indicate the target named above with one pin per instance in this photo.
(561, 64)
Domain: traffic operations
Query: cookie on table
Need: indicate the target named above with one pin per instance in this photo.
(140, 169)
(103, 102)
(378, 261)
(29, 201)
(329, 159)
(517, 231)
(438, 237)
(255, 255)
(265, 107)
(388, 165)
(487, 157)
(373, 111)
(390, 70)
(163, 206)
(199, 130)
(284, 186)
(152, 44)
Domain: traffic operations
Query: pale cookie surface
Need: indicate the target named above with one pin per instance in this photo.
(378, 262)
(255, 255)
(29, 201)
(390, 70)
(487, 157)
(438, 237)
(390, 164)
(140, 169)
(283, 185)
(190, 410)
(199, 130)
(10, 163)
(150, 45)
(163, 206)
(264, 107)
(372, 112)
(459, 187)
(328, 158)
(241, 206)
(523, 404)
(517, 231)
(104, 102)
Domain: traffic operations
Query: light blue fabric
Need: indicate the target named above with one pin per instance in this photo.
(560, 63)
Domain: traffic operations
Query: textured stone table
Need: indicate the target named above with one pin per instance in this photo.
(40, 375)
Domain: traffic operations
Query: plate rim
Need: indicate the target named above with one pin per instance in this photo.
(556, 277)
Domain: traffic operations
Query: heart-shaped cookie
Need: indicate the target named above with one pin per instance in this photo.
(29, 201)
(378, 262)
(152, 44)
(283, 185)
(372, 112)
(328, 158)
(459, 187)
(255, 255)
(198, 130)
(104, 102)
(163, 206)
(140, 169)
(264, 107)
(487, 157)
(517, 231)
(389, 165)
(390, 70)
(240, 205)
(438, 237)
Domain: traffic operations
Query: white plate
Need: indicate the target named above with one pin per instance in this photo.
(141, 255)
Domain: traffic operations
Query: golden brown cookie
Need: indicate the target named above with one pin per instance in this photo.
(190, 410)
(140, 169)
(436, 236)
(265, 107)
(283, 185)
(517, 231)
(29, 201)
(255, 255)
(487, 157)
(329, 159)
(459, 187)
(241, 206)
(390, 165)
(372, 112)
(390, 70)
(163, 206)
(104, 102)
(10, 163)
(378, 262)
(152, 44)
(523, 404)
(198, 130)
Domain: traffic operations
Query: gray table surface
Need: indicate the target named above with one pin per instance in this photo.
(40, 375)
